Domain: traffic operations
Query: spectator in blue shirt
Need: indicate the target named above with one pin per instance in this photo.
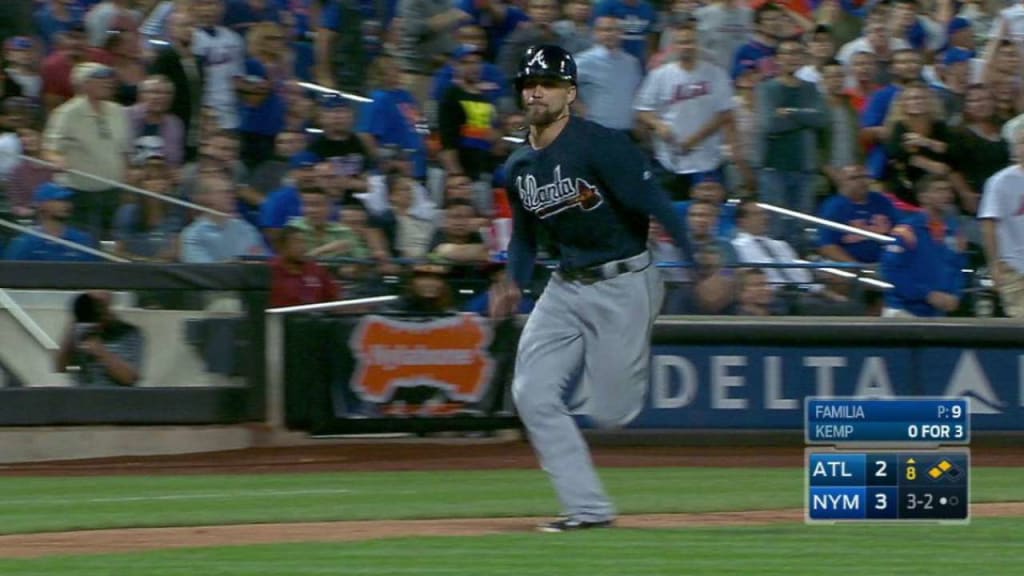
(394, 116)
(53, 210)
(925, 263)
(858, 206)
(638, 19)
(707, 187)
(497, 18)
(285, 203)
(770, 23)
(492, 83)
(608, 77)
(55, 18)
(214, 238)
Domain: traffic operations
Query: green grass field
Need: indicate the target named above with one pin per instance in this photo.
(987, 546)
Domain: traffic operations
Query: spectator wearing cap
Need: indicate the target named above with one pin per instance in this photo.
(791, 113)
(925, 263)
(468, 119)
(324, 236)
(219, 237)
(639, 18)
(724, 27)
(982, 15)
(185, 72)
(708, 187)
(300, 108)
(493, 82)
(23, 67)
(715, 259)
(340, 146)
(540, 30)
(770, 25)
(57, 67)
(151, 118)
(822, 50)
(951, 85)
(52, 19)
(394, 117)
(426, 38)
(286, 202)
(26, 176)
(91, 134)
(221, 53)
(348, 38)
(496, 19)
(261, 112)
(687, 104)
(148, 228)
(295, 278)
(608, 77)
(856, 205)
(53, 212)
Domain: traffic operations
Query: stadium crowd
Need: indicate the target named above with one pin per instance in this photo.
(373, 133)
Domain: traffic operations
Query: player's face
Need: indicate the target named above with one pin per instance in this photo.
(547, 100)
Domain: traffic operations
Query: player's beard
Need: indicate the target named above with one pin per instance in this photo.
(541, 115)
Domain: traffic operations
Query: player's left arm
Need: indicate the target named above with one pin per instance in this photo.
(627, 176)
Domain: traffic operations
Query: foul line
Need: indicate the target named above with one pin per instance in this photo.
(195, 496)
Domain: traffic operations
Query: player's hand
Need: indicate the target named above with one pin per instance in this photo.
(504, 300)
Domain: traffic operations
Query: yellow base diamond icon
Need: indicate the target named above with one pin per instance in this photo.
(945, 465)
(935, 473)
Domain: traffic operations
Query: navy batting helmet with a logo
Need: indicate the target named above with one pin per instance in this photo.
(546, 61)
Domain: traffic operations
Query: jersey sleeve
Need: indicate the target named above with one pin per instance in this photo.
(647, 95)
(522, 247)
(990, 208)
(627, 175)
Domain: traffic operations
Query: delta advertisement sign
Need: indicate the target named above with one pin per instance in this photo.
(764, 387)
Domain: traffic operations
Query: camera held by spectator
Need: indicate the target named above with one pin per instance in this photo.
(106, 350)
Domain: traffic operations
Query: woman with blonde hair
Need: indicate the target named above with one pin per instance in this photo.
(918, 143)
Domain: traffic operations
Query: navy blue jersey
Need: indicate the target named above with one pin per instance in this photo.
(593, 192)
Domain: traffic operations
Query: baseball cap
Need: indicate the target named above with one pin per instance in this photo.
(332, 100)
(304, 159)
(957, 24)
(18, 43)
(742, 67)
(49, 192)
(703, 177)
(956, 56)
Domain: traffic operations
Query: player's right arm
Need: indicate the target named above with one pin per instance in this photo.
(522, 247)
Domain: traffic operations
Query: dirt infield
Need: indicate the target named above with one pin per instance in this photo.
(142, 539)
(419, 455)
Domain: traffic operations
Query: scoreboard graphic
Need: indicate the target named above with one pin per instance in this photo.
(887, 460)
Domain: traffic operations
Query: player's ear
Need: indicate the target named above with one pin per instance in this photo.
(572, 94)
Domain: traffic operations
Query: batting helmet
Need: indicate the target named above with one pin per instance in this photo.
(546, 61)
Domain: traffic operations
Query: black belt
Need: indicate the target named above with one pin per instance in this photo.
(608, 270)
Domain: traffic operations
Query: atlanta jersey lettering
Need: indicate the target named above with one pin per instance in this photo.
(592, 192)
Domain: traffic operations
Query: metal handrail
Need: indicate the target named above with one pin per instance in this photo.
(25, 320)
(61, 241)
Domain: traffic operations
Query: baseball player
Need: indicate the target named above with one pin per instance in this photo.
(593, 193)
